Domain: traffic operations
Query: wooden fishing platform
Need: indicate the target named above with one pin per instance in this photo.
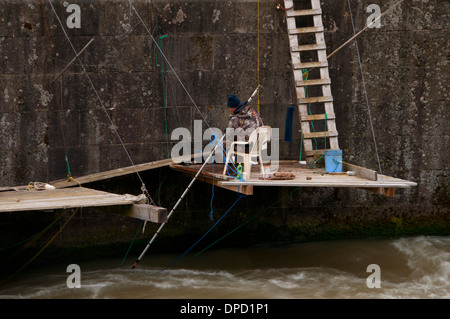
(42, 200)
(65, 196)
(68, 193)
(302, 175)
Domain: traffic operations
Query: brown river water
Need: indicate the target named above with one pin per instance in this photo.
(412, 267)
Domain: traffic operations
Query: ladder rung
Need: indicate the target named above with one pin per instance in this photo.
(320, 134)
(306, 30)
(308, 65)
(316, 117)
(314, 82)
(315, 152)
(300, 13)
(315, 99)
(308, 47)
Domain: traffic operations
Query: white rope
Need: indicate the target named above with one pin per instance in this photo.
(365, 90)
(100, 100)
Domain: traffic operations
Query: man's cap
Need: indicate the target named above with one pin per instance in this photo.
(233, 101)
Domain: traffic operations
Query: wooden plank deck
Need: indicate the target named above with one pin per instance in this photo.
(41, 200)
(305, 176)
(26, 200)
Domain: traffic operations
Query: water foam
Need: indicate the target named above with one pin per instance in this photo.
(421, 270)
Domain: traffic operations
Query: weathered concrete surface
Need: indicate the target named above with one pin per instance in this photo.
(212, 46)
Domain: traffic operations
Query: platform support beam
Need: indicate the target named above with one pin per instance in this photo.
(386, 191)
(242, 189)
(145, 212)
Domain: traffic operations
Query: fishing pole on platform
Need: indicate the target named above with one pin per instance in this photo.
(176, 205)
(254, 93)
(185, 191)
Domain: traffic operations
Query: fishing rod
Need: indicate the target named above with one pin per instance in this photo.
(254, 93)
(185, 192)
(176, 205)
(365, 28)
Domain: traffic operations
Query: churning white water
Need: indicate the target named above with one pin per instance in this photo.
(415, 267)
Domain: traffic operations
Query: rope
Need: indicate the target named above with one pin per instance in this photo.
(212, 191)
(219, 143)
(101, 101)
(43, 248)
(164, 94)
(129, 247)
(301, 148)
(160, 185)
(325, 145)
(234, 171)
(260, 213)
(182, 255)
(58, 101)
(364, 29)
(73, 179)
(364, 85)
(257, 49)
(35, 235)
(360, 65)
(68, 166)
(224, 155)
(157, 30)
(169, 64)
(175, 207)
(305, 74)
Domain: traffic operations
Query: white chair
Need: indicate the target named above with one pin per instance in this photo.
(256, 143)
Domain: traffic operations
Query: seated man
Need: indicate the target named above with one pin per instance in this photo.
(243, 121)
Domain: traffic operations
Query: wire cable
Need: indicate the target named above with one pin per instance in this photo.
(35, 235)
(43, 248)
(249, 220)
(169, 64)
(365, 90)
(101, 103)
(182, 255)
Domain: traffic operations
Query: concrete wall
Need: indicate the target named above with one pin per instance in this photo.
(212, 46)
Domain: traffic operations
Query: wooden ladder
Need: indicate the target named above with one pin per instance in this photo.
(315, 61)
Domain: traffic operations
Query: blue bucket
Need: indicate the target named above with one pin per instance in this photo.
(333, 161)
